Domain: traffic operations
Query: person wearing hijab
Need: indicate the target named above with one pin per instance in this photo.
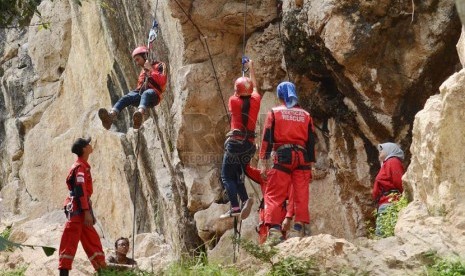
(290, 134)
(388, 183)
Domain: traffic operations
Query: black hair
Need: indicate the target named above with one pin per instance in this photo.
(120, 239)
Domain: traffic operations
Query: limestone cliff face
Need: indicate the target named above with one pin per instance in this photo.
(363, 70)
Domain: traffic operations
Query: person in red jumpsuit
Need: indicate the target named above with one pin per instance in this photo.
(388, 183)
(289, 133)
(78, 209)
(262, 229)
(150, 86)
(239, 146)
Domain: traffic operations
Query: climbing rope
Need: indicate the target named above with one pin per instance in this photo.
(153, 34)
(244, 58)
(209, 55)
(238, 225)
(136, 152)
(279, 9)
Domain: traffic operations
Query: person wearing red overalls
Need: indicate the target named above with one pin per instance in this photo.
(78, 209)
(289, 133)
(150, 86)
(262, 229)
(239, 146)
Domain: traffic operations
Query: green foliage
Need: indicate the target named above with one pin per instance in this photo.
(199, 266)
(20, 271)
(287, 266)
(17, 11)
(293, 266)
(4, 236)
(116, 272)
(263, 253)
(6, 233)
(388, 219)
(6, 245)
(444, 267)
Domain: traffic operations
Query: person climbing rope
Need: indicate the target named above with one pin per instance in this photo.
(150, 87)
(78, 209)
(388, 183)
(289, 132)
(262, 229)
(239, 146)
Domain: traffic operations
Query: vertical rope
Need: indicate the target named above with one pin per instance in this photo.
(209, 55)
(282, 51)
(135, 196)
(243, 38)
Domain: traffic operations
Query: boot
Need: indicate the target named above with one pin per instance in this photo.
(137, 119)
(106, 117)
(274, 237)
(246, 208)
(296, 232)
(64, 272)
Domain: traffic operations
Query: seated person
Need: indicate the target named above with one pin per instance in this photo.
(119, 260)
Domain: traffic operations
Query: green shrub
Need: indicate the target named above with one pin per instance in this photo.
(445, 267)
(292, 266)
(388, 218)
(115, 272)
(14, 272)
(6, 233)
(287, 266)
(198, 266)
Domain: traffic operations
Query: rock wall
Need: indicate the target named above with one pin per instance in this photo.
(363, 70)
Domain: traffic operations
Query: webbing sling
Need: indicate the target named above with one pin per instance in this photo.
(282, 168)
(245, 108)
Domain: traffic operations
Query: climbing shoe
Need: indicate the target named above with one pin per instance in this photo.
(137, 119)
(231, 213)
(246, 208)
(274, 237)
(106, 117)
(296, 232)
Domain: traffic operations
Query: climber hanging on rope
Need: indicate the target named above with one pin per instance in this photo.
(239, 146)
(150, 87)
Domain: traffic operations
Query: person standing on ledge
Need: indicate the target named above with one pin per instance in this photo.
(78, 210)
(388, 183)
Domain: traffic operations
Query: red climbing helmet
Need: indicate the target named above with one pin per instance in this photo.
(140, 50)
(243, 86)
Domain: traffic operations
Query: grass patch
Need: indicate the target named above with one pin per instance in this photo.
(444, 267)
(199, 266)
(20, 271)
(6, 232)
(116, 272)
(289, 266)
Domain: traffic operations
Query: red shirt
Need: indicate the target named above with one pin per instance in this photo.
(156, 75)
(83, 178)
(389, 178)
(291, 126)
(235, 109)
